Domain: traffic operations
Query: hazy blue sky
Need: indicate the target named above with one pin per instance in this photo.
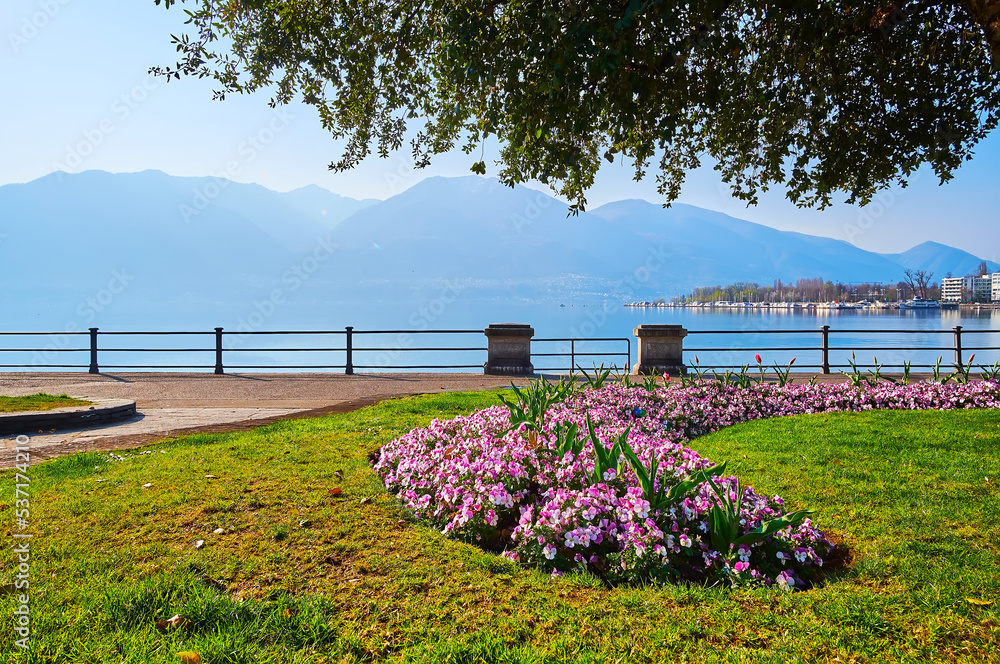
(77, 96)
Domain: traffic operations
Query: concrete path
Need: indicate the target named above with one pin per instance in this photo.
(170, 404)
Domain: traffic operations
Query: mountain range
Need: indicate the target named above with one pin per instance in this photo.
(188, 243)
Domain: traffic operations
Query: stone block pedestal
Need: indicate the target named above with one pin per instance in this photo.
(509, 350)
(661, 350)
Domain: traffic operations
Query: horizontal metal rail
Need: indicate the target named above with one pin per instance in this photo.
(828, 343)
(576, 349)
(43, 366)
(44, 350)
(418, 332)
(574, 353)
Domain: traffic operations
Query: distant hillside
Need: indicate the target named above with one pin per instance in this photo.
(205, 249)
(941, 260)
(712, 248)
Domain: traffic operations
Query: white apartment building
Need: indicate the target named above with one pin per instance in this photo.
(968, 289)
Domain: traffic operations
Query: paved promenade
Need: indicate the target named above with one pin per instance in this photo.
(170, 404)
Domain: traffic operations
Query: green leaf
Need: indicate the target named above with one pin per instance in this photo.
(769, 528)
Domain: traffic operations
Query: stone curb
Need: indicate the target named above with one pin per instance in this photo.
(76, 417)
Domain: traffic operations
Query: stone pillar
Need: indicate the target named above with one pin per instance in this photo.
(661, 350)
(509, 350)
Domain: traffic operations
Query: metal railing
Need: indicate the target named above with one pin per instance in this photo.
(824, 347)
(351, 349)
(344, 347)
(584, 348)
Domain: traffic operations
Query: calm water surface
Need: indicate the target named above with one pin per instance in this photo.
(850, 330)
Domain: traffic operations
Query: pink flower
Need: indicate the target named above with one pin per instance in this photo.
(474, 472)
(757, 357)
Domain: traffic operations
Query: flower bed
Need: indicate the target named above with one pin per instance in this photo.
(643, 506)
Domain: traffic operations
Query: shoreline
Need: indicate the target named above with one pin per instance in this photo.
(809, 306)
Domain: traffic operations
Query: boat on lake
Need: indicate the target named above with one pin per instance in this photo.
(919, 303)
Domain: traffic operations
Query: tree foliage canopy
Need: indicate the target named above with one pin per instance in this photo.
(815, 96)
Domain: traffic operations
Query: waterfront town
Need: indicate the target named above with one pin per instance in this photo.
(917, 291)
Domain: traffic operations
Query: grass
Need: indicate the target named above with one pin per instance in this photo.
(302, 575)
(40, 401)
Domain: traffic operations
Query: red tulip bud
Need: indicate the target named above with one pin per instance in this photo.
(757, 357)
(792, 362)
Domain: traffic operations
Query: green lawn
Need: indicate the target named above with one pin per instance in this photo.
(301, 575)
(40, 401)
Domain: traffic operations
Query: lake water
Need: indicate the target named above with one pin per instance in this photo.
(850, 330)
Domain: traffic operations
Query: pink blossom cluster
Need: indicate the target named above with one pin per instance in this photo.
(508, 489)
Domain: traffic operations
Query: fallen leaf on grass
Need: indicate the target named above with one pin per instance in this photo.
(979, 602)
(147, 485)
(366, 501)
(199, 544)
(219, 531)
(335, 491)
(211, 477)
(178, 621)
(189, 657)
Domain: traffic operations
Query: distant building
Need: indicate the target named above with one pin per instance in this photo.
(971, 289)
(982, 290)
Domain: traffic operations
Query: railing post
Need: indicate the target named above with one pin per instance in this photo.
(349, 369)
(826, 349)
(958, 347)
(572, 356)
(218, 351)
(94, 369)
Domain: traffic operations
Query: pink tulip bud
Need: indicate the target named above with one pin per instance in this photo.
(666, 377)
(972, 358)
(757, 357)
